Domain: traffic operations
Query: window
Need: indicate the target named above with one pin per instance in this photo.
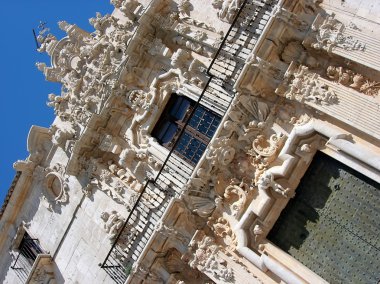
(27, 252)
(29, 248)
(198, 133)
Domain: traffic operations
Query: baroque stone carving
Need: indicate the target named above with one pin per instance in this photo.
(294, 51)
(353, 80)
(171, 233)
(205, 259)
(55, 186)
(222, 229)
(116, 182)
(43, 271)
(184, 7)
(266, 181)
(236, 195)
(227, 9)
(113, 222)
(301, 85)
(328, 33)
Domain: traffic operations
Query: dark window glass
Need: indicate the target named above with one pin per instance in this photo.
(201, 127)
(29, 248)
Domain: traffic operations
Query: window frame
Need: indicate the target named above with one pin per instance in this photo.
(194, 133)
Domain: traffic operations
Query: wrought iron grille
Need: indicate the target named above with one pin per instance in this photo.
(218, 93)
(27, 254)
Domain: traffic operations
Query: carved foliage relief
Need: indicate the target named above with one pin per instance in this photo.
(329, 33)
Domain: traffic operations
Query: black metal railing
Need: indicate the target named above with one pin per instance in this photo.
(218, 93)
(27, 253)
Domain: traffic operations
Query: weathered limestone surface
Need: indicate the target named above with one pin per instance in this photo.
(106, 202)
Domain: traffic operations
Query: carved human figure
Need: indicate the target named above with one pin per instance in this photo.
(266, 181)
(227, 9)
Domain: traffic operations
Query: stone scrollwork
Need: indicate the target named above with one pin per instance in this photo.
(264, 151)
(221, 152)
(236, 195)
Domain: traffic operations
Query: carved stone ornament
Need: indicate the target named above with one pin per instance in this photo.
(353, 80)
(222, 229)
(113, 222)
(236, 196)
(171, 233)
(266, 181)
(227, 9)
(55, 186)
(301, 85)
(329, 33)
(116, 182)
(184, 7)
(203, 255)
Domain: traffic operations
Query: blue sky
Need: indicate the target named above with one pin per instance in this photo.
(23, 88)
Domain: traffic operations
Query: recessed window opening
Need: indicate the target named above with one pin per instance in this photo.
(198, 133)
(29, 248)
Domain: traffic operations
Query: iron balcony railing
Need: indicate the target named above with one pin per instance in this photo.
(27, 253)
(218, 93)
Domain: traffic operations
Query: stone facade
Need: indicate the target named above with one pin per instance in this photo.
(104, 198)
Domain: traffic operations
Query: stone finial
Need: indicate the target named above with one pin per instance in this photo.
(63, 25)
(41, 66)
